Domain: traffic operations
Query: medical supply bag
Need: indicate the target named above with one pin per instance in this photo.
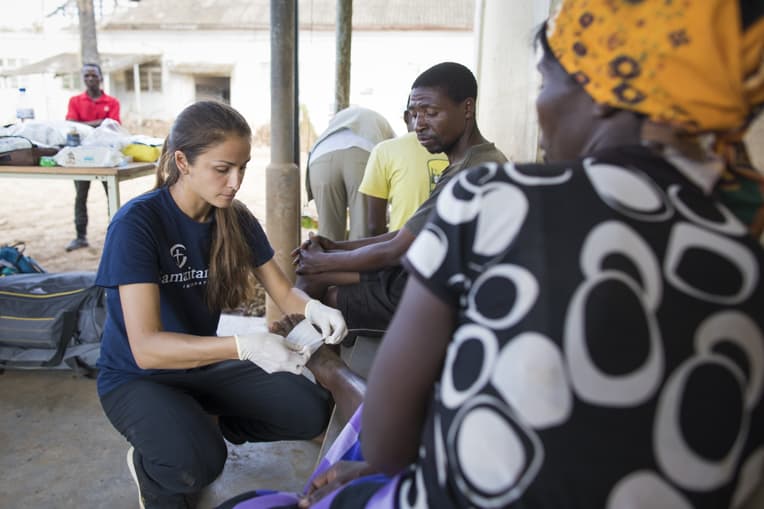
(51, 321)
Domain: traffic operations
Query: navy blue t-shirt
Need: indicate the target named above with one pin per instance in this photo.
(150, 240)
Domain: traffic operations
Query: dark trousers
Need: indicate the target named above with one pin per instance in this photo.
(368, 306)
(168, 419)
(82, 188)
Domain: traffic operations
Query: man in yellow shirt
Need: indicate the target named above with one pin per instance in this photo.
(400, 172)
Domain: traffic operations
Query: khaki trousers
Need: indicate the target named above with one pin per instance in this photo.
(334, 179)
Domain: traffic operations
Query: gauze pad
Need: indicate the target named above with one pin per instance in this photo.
(304, 335)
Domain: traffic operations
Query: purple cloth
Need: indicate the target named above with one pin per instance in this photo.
(346, 447)
(269, 501)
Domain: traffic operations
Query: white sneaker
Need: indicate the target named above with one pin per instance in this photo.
(131, 466)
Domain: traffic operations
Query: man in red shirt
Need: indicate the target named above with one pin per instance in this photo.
(90, 107)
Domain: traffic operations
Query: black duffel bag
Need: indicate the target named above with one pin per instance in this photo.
(51, 321)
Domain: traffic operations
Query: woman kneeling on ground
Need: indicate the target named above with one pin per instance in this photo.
(172, 260)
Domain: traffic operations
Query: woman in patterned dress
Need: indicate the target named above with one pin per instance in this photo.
(594, 327)
(587, 333)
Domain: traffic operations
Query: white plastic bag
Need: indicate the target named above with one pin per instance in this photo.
(42, 133)
(109, 134)
(65, 127)
(143, 139)
(91, 157)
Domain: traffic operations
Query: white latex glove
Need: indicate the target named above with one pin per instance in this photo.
(328, 320)
(269, 351)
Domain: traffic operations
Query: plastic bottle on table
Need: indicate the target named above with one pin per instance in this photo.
(24, 109)
(73, 138)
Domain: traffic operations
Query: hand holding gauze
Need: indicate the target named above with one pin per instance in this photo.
(270, 352)
(329, 320)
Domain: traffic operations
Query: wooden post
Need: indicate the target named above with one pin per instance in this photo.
(344, 36)
(282, 176)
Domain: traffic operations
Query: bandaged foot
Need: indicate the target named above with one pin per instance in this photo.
(300, 334)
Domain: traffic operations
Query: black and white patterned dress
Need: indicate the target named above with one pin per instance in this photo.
(608, 349)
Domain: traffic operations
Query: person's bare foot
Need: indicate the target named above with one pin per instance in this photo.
(325, 363)
(283, 326)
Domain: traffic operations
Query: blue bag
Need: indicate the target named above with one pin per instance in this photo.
(13, 261)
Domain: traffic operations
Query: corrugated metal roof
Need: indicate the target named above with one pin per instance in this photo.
(313, 14)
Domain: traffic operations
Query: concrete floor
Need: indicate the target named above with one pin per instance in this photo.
(58, 450)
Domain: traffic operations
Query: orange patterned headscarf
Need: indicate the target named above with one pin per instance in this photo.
(694, 64)
(694, 68)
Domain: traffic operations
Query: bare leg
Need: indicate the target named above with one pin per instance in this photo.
(333, 374)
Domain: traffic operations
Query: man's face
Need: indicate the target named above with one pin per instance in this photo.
(439, 122)
(91, 77)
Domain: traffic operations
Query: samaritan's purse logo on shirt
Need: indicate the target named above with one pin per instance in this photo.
(178, 251)
(188, 277)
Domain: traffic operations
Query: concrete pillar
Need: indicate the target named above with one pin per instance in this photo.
(282, 176)
(506, 73)
(296, 101)
(137, 90)
(344, 36)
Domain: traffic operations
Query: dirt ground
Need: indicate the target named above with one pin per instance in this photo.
(40, 213)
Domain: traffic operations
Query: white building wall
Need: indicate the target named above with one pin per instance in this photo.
(45, 93)
(383, 66)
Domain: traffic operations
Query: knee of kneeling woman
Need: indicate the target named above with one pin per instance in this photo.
(196, 469)
(316, 418)
(306, 420)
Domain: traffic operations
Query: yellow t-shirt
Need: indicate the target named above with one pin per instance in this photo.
(402, 172)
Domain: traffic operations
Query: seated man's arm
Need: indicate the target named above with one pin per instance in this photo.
(327, 244)
(350, 245)
(376, 215)
(385, 251)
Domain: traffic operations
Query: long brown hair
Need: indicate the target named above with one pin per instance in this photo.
(231, 280)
